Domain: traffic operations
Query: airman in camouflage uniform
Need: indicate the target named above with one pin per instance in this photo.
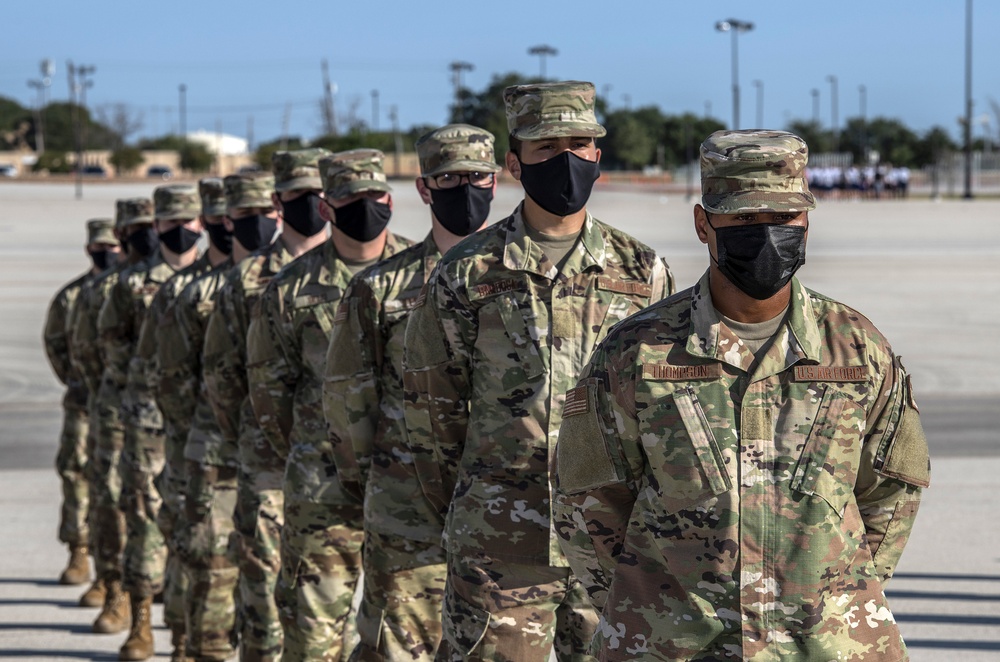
(133, 222)
(178, 394)
(511, 315)
(404, 563)
(248, 200)
(740, 465)
(130, 347)
(72, 459)
(286, 350)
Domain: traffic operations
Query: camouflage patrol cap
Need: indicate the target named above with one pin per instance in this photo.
(552, 110)
(176, 201)
(353, 171)
(297, 169)
(213, 199)
(249, 189)
(754, 170)
(456, 148)
(101, 231)
(132, 211)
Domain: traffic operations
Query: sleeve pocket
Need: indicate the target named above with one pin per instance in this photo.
(583, 460)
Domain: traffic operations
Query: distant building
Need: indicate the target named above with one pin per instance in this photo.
(220, 143)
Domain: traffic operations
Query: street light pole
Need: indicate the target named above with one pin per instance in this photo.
(759, 84)
(863, 101)
(815, 95)
(833, 111)
(182, 110)
(457, 67)
(735, 27)
(542, 51)
(375, 111)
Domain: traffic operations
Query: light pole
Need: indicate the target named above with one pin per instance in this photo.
(759, 84)
(863, 102)
(39, 133)
(833, 111)
(182, 110)
(542, 51)
(815, 95)
(78, 85)
(967, 128)
(457, 67)
(375, 111)
(735, 27)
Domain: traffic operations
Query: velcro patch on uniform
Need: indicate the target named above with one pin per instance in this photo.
(499, 287)
(394, 306)
(681, 373)
(624, 286)
(831, 373)
(577, 402)
(421, 298)
(341, 314)
(307, 300)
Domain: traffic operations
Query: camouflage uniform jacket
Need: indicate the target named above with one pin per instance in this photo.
(713, 513)
(286, 357)
(363, 395)
(86, 351)
(57, 341)
(178, 351)
(225, 348)
(488, 359)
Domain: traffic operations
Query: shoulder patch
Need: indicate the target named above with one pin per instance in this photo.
(624, 286)
(681, 373)
(341, 312)
(577, 402)
(831, 373)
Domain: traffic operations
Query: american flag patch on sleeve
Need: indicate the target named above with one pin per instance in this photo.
(577, 402)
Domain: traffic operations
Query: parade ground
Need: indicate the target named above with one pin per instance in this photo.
(926, 273)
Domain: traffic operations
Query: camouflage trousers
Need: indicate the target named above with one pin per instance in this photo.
(400, 613)
(497, 611)
(209, 564)
(107, 521)
(145, 549)
(259, 519)
(173, 526)
(320, 569)
(71, 463)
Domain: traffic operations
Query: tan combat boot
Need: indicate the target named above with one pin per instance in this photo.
(78, 570)
(139, 645)
(115, 615)
(94, 596)
(178, 639)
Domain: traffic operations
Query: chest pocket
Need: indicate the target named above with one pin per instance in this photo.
(626, 298)
(688, 466)
(525, 347)
(828, 466)
(313, 318)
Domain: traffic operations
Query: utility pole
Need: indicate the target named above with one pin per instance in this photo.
(735, 27)
(457, 67)
(39, 133)
(78, 85)
(759, 84)
(863, 103)
(285, 121)
(815, 95)
(967, 128)
(182, 110)
(250, 134)
(329, 113)
(394, 117)
(542, 51)
(375, 111)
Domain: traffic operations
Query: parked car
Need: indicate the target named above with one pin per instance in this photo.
(253, 167)
(160, 172)
(94, 171)
(7, 170)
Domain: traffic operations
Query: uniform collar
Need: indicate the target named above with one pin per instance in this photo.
(522, 254)
(798, 338)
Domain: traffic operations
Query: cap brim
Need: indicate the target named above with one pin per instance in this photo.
(359, 186)
(740, 202)
(463, 166)
(559, 130)
(214, 210)
(136, 221)
(177, 215)
(299, 183)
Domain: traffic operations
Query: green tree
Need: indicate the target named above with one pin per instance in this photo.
(166, 142)
(195, 157)
(935, 144)
(126, 159)
(818, 140)
(630, 143)
(485, 109)
(54, 161)
(262, 156)
(683, 134)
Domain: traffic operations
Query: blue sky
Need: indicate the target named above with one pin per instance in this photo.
(254, 58)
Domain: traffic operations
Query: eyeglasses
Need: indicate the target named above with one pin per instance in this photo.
(454, 179)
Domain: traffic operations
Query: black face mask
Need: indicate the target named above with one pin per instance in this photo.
(103, 259)
(220, 237)
(255, 231)
(561, 185)
(462, 209)
(760, 258)
(364, 219)
(144, 241)
(302, 214)
(180, 240)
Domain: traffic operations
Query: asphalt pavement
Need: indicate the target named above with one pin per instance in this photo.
(926, 273)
